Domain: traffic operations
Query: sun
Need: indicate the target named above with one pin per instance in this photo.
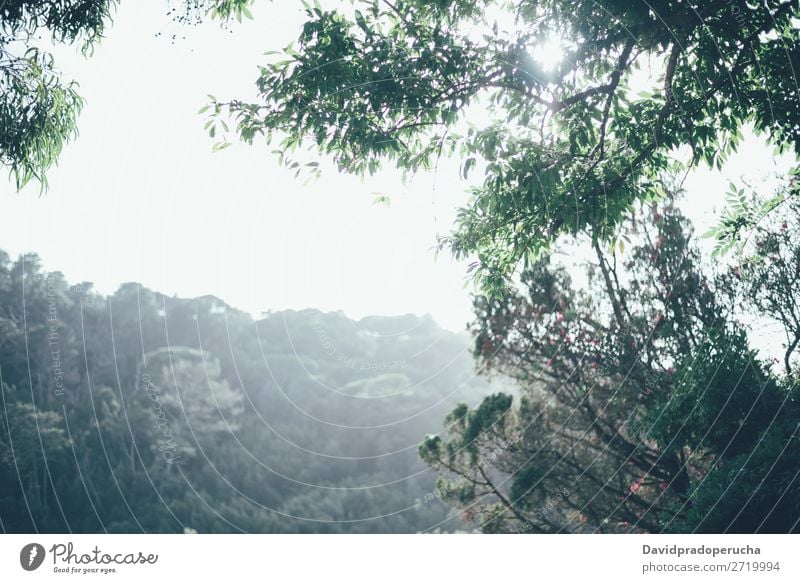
(549, 52)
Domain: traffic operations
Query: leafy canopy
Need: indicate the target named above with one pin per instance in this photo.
(567, 146)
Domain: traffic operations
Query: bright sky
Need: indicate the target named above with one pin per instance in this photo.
(139, 196)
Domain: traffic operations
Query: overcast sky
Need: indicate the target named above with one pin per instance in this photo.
(139, 196)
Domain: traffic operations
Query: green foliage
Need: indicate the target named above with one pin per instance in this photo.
(226, 9)
(753, 491)
(564, 150)
(488, 417)
(195, 12)
(769, 275)
(38, 111)
(142, 412)
(744, 214)
(643, 406)
(720, 401)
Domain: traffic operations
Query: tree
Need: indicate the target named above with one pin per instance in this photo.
(143, 412)
(38, 109)
(643, 407)
(770, 276)
(570, 146)
(32, 447)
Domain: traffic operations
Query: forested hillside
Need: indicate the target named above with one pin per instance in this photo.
(142, 412)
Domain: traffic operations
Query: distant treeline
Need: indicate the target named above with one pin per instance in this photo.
(143, 412)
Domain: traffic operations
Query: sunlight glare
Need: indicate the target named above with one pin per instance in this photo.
(549, 53)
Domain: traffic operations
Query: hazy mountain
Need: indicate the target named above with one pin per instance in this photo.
(140, 411)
